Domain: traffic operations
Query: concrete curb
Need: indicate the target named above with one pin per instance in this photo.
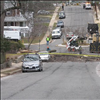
(16, 67)
(60, 45)
(10, 72)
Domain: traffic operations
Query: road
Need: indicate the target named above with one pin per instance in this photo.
(76, 20)
(58, 81)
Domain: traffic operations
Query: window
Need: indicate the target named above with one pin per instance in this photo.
(8, 13)
(12, 24)
(21, 23)
(5, 24)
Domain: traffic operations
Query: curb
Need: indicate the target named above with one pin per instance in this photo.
(10, 72)
(60, 45)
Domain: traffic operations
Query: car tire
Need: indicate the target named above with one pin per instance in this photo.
(40, 70)
(73, 49)
(23, 71)
(69, 49)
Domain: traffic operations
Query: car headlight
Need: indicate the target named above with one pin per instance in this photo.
(36, 65)
(24, 65)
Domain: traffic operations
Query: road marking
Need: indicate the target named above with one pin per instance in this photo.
(98, 69)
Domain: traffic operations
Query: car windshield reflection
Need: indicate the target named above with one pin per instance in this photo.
(30, 59)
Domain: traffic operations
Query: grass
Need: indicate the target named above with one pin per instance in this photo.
(54, 26)
(36, 40)
(48, 16)
(12, 56)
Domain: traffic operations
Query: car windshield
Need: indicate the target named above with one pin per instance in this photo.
(54, 32)
(61, 13)
(70, 32)
(60, 22)
(31, 58)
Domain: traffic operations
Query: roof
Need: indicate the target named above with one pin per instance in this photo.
(15, 19)
(8, 4)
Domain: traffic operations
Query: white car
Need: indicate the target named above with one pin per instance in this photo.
(56, 33)
(44, 55)
(69, 35)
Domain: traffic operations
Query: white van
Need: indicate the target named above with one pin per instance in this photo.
(87, 6)
(12, 35)
(56, 33)
(23, 30)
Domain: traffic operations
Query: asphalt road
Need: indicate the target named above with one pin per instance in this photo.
(58, 81)
(76, 20)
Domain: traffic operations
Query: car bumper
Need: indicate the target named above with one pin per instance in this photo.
(61, 26)
(61, 17)
(57, 36)
(45, 59)
(30, 69)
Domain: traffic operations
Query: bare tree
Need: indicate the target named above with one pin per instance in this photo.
(27, 6)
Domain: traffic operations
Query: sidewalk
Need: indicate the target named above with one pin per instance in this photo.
(98, 13)
(50, 26)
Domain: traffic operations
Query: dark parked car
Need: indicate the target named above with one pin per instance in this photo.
(62, 15)
(32, 62)
(60, 23)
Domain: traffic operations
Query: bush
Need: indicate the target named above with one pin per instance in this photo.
(14, 46)
(5, 45)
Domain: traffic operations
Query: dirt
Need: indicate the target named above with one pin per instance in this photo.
(65, 58)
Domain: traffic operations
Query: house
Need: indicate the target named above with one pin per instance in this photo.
(14, 17)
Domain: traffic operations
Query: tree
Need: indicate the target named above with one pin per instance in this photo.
(23, 7)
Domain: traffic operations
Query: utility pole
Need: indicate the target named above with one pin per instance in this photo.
(96, 11)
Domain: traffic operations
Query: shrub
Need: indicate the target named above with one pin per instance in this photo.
(5, 45)
(14, 46)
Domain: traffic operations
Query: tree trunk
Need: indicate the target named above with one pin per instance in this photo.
(2, 19)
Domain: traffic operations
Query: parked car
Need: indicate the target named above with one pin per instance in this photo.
(44, 55)
(60, 23)
(67, 3)
(58, 28)
(32, 62)
(69, 35)
(43, 12)
(62, 15)
(56, 33)
(87, 6)
(83, 5)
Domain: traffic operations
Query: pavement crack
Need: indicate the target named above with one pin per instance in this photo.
(57, 68)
